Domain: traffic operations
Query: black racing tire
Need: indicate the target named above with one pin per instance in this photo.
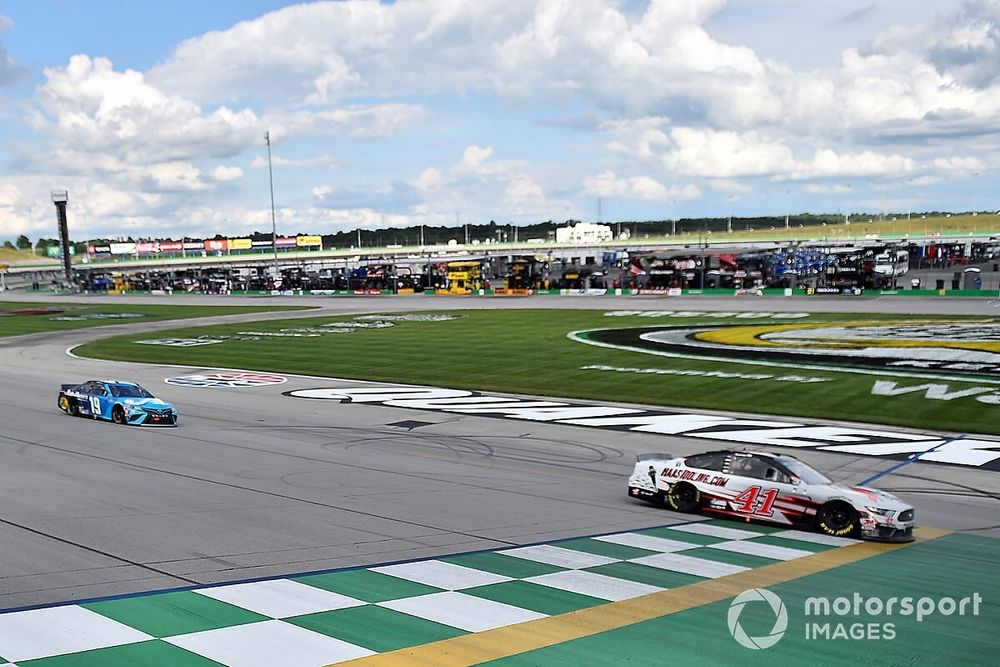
(683, 497)
(118, 415)
(838, 519)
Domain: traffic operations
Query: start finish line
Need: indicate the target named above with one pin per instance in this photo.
(858, 440)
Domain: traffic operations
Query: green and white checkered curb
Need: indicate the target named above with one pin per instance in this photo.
(319, 619)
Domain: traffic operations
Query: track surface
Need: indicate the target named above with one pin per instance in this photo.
(254, 484)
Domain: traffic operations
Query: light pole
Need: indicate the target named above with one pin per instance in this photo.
(60, 198)
(274, 224)
(788, 205)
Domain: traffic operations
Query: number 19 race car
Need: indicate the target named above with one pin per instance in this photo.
(120, 402)
(768, 487)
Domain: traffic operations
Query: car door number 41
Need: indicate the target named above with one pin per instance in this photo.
(752, 501)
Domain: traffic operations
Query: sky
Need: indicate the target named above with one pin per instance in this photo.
(152, 115)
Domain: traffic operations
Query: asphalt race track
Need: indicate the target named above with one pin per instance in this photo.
(256, 484)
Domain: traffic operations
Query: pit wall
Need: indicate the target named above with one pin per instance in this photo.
(590, 292)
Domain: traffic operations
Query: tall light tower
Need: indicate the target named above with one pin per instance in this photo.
(274, 225)
(60, 199)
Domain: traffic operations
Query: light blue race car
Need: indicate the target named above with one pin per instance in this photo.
(117, 401)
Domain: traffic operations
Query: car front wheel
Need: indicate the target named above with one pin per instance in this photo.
(837, 519)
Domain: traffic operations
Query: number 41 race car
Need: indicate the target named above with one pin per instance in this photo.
(120, 402)
(772, 488)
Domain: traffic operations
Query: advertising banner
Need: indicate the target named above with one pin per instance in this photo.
(99, 249)
(240, 244)
(171, 246)
(658, 291)
(842, 291)
(308, 240)
(122, 248)
(286, 241)
(216, 244)
(262, 244)
(147, 247)
(56, 251)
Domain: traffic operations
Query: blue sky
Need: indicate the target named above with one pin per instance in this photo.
(152, 114)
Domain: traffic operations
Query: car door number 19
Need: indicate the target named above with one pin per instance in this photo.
(752, 501)
(95, 405)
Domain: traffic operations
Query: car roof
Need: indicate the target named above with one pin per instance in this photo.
(121, 383)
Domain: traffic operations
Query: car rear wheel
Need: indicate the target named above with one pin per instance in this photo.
(68, 406)
(118, 414)
(683, 497)
(837, 519)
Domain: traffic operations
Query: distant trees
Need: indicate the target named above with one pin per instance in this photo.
(23, 242)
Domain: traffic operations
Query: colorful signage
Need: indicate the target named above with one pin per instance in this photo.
(122, 248)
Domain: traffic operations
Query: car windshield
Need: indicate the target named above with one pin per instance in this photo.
(802, 471)
(129, 391)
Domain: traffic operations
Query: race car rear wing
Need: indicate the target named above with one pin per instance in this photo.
(646, 456)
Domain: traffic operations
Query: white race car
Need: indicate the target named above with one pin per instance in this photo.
(773, 488)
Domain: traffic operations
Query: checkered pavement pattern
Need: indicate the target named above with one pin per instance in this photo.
(321, 619)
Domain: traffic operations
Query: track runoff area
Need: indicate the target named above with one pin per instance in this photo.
(662, 588)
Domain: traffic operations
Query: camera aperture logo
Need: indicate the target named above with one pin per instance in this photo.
(852, 618)
(777, 607)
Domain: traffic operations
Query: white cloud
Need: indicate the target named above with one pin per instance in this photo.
(319, 52)
(318, 162)
(641, 138)
(14, 214)
(727, 155)
(724, 154)
(429, 179)
(609, 184)
(10, 71)
(828, 163)
(522, 189)
(957, 164)
(358, 122)
(321, 191)
(170, 176)
(832, 189)
(225, 174)
(474, 158)
(92, 108)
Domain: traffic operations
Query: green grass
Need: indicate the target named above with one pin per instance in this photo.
(18, 324)
(8, 255)
(527, 352)
(896, 226)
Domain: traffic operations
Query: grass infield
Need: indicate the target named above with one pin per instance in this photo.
(528, 352)
(18, 317)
